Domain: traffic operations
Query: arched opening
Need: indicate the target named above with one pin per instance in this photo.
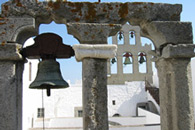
(32, 99)
(142, 62)
(132, 38)
(120, 38)
(65, 64)
(147, 42)
(113, 65)
(127, 63)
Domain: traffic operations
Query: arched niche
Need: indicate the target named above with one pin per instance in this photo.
(132, 37)
(113, 65)
(127, 63)
(24, 33)
(120, 38)
(142, 59)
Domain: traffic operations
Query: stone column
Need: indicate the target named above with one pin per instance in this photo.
(94, 70)
(119, 65)
(11, 68)
(135, 64)
(176, 97)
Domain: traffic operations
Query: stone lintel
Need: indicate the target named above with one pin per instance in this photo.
(94, 51)
(178, 51)
(161, 32)
(92, 33)
(113, 12)
(10, 28)
(10, 52)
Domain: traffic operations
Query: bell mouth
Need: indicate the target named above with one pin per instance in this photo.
(50, 85)
(48, 76)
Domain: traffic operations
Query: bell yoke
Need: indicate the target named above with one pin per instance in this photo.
(48, 47)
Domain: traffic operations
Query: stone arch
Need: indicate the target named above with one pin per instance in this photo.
(120, 38)
(127, 62)
(23, 33)
(132, 37)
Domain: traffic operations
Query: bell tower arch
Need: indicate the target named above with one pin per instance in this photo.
(128, 55)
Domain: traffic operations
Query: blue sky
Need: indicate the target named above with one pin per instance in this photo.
(72, 69)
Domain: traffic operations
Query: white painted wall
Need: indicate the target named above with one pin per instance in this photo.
(151, 118)
(126, 123)
(126, 98)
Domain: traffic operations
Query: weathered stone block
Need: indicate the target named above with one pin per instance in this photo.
(10, 52)
(10, 95)
(92, 33)
(178, 51)
(63, 11)
(162, 32)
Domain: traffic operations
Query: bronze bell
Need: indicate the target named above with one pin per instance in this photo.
(48, 47)
(142, 60)
(48, 76)
(127, 61)
(113, 60)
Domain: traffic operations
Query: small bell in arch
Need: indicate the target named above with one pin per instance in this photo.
(127, 59)
(131, 34)
(142, 59)
(113, 60)
(120, 35)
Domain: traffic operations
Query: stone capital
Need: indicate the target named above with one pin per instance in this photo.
(174, 51)
(92, 33)
(94, 51)
(161, 32)
(10, 52)
(178, 51)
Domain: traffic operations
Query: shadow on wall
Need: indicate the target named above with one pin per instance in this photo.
(128, 107)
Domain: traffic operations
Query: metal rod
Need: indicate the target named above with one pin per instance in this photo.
(43, 110)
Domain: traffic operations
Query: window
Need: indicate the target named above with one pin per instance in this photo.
(78, 112)
(113, 102)
(40, 113)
